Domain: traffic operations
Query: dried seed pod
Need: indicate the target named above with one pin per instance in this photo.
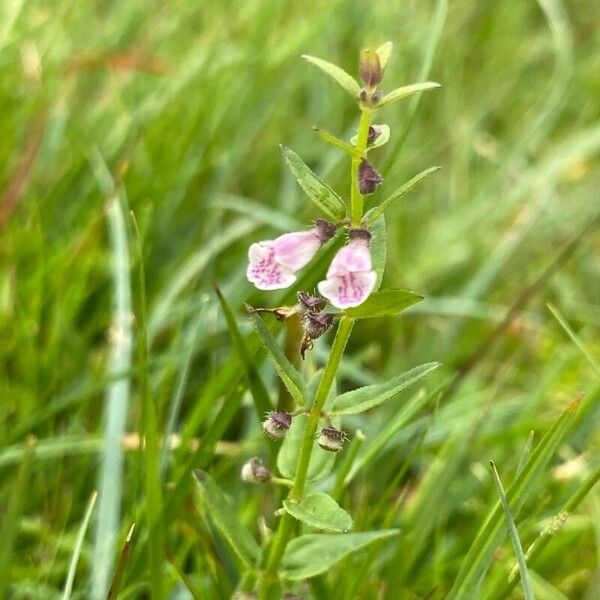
(277, 424)
(254, 471)
(368, 178)
(332, 439)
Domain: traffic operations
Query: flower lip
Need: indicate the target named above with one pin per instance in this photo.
(324, 230)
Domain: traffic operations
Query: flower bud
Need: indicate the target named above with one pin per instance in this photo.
(370, 69)
(368, 178)
(332, 439)
(254, 471)
(276, 424)
(374, 133)
(324, 230)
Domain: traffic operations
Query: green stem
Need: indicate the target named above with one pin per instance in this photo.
(286, 525)
(356, 198)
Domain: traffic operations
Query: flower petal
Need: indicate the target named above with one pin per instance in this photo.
(348, 290)
(355, 257)
(295, 250)
(264, 271)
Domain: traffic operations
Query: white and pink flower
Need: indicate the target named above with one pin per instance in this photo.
(350, 277)
(274, 262)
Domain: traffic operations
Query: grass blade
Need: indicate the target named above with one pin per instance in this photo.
(115, 585)
(78, 545)
(12, 517)
(491, 532)
(117, 397)
(514, 536)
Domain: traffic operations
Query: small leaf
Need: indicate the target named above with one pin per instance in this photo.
(352, 150)
(370, 396)
(320, 193)
(387, 303)
(313, 554)
(380, 140)
(336, 73)
(378, 247)
(383, 52)
(320, 511)
(238, 537)
(376, 212)
(287, 372)
(408, 90)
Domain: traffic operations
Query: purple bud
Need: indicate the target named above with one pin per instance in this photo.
(376, 98)
(254, 471)
(369, 68)
(332, 439)
(312, 303)
(276, 424)
(368, 178)
(374, 133)
(324, 230)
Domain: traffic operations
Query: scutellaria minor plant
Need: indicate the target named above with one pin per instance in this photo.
(311, 434)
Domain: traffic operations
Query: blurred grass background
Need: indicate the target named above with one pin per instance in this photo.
(174, 110)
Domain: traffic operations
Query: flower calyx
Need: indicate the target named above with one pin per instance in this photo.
(332, 439)
(276, 424)
(254, 471)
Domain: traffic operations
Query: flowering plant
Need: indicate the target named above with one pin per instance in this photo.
(348, 292)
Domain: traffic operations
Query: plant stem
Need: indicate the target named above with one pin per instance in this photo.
(356, 198)
(286, 524)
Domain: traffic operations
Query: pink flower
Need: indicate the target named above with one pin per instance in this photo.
(274, 262)
(350, 277)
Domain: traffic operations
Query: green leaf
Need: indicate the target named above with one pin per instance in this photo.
(383, 53)
(378, 247)
(287, 372)
(336, 73)
(378, 211)
(352, 150)
(320, 511)
(262, 402)
(408, 90)
(237, 536)
(368, 397)
(320, 193)
(321, 462)
(387, 303)
(313, 554)
(514, 536)
(380, 140)
(492, 531)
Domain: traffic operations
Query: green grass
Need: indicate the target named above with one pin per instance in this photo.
(174, 111)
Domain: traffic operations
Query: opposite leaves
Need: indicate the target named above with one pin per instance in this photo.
(320, 193)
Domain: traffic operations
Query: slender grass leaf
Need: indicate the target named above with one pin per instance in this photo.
(380, 140)
(514, 535)
(368, 397)
(320, 193)
(351, 149)
(408, 90)
(313, 554)
(287, 372)
(387, 303)
(237, 536)
(376, 212)
(321, 511)
(262, 402)
(115, 585)
(77, 549)
(490, 534)
(336, 73)
(11, 519)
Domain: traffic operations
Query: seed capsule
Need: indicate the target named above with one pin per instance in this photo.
(276, 424)
(332, 439)
(254, 471)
